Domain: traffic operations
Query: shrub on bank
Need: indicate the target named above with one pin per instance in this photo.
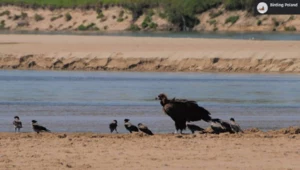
(232, 19)
(134, 27)
(6, 12)
(259, 22)
(290, 28)
(68, 17)
(215, 14)
(56, 17)
(38, 17)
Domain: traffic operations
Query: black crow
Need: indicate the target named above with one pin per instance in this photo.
(17, 123)
(38, 128)
(182, 111)
(193, 128)
(235, 127)
(131, 128)
(220, 126)
(113, 126)
(144, 129)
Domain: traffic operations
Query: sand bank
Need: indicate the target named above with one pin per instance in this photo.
(59, 52)
(253, 150)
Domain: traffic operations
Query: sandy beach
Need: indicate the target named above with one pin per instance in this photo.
(274, 150)
(112, 53)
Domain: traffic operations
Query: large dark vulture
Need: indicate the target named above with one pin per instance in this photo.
(220, 126)
(182, 111)
(235, 126)
(113, 126)
(131, 128)
(194, 128)
(144, 129)
(38, 128)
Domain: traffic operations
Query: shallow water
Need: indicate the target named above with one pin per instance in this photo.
(89, 101)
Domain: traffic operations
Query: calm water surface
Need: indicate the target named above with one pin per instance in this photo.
(89, 101)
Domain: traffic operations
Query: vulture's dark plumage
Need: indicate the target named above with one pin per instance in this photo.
(144, 129)
(131, 128)
(182, 111)
(235, 127)
(220, 126)
(38, 128)
(113, 126)
(193, 128)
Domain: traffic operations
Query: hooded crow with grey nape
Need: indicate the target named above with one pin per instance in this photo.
(193, 128)
(113, 126)
(220, 126)
(235, 126)
(17, 123)
(38, 128)
(131, 128)
(144, 129)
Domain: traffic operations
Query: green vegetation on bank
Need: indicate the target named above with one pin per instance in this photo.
(181, 13)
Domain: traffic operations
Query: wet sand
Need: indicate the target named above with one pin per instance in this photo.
(61, 52)
(271, 150)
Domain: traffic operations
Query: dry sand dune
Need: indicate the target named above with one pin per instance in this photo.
(276, 150)
(58, 52)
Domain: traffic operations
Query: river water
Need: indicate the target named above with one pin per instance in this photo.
(89, 101)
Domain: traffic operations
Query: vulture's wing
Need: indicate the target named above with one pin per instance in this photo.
(191, 110)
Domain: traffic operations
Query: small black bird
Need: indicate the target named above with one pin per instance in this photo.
(17, 123)
(131, 128)
(220, 126)
(235, 126)
(193, 128)
(113, 126)
(144, 129)
(38, 128)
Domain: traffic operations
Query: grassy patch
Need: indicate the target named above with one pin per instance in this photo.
(134, 27)
(290, 28)
(21, 16)
(89, 27)
(259, 22)
(2, 24)
(153, 25)
(215, 14)
(232, 19)
(276, 23)
(56, 17)
(162, 15)
(38, 17)
(121, 14)
(120, 20)
(68, 17)
(291, 18)
(212, 22)
(100, 15)
(148, 23)
(6, 12)
(239, 4)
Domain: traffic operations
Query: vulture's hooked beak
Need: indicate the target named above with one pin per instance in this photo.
(156, 98)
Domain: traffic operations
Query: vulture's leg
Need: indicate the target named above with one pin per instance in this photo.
(176, 131)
